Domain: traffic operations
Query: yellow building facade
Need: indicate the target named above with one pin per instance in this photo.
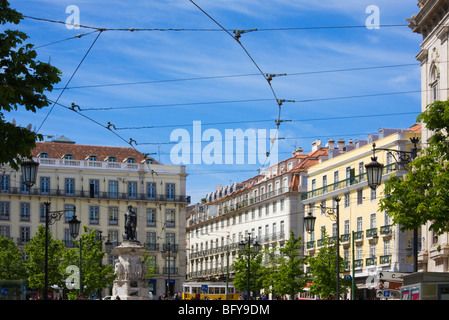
(369, 242)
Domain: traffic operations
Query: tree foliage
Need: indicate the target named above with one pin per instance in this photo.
(24, 81)
(257, 271)
(287, 273)
(11, 263)
(35, 262)
(94, 275)
(323, 267)
(421, 196)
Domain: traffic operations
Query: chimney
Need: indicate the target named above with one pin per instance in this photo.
(316, 145)
(298, 152)
(341, 144)
(331, 144)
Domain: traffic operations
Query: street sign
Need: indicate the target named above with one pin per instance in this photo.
(379, 293)
(371, 281)
(204, 287)
(386, 275)
(386, 293)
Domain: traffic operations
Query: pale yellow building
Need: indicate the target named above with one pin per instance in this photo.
(101, 182)
(365, 232)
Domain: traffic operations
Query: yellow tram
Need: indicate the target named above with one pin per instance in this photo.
(208, 291)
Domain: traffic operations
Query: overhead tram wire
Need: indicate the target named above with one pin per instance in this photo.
(250, 100)
(133, 29)
(233, 76)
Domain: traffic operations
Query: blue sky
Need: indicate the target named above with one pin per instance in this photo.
(130, 75)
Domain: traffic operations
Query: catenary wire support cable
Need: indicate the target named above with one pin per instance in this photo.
(237, 36)
(70, 79)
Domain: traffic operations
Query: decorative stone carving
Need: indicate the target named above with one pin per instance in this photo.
(131, 282)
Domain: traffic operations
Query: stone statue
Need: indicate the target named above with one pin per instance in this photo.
(130, 224)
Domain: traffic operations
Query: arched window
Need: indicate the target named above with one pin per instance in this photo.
(434, 82)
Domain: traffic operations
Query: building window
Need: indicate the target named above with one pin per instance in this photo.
(25, 211)
(347, 200)
(25, 235)
(372, 222)
(373, 194)
(132, 189)
(69, 211)
(170, 191)
(170, 218)
(94, 188)
(42, 210)
(69, 186)
(4, 210)
(113, 189)
(4, 185)
(5, 231)
(360, 196)
(151, 217)
(113, 216)
(45, 185)
(151, 241)
(359, 224)
(434, 83)
(151, 190)
(346, 227)
(94, 215)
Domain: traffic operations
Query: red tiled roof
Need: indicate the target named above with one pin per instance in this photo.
(57, 150)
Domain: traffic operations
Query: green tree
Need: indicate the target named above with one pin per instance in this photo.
(421, 196)
(323, 268)
(94, 275)
(35, 262)
(288, 276)
(24, 81)
(257, 271)
(11, 262)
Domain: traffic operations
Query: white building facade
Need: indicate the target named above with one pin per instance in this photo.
(266, 207)
(432, 22)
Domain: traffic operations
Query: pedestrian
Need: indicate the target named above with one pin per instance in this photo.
(117, 297)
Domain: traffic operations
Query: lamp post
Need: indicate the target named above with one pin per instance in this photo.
(374, 177)
(74, 227)
(309, 223)
(245, 246)
(168, 248)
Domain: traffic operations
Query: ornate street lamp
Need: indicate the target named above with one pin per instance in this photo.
(74, 226)
(374, 171)
(309, 223)
(29, 172)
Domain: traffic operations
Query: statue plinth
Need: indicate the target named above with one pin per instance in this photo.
(131, 282)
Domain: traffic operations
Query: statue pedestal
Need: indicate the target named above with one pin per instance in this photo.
(131, 282)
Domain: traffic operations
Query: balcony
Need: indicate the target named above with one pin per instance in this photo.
(343, 184)
(371, 233)
(225, 208)
(370, 261)
(385, 230)
(99, 195)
